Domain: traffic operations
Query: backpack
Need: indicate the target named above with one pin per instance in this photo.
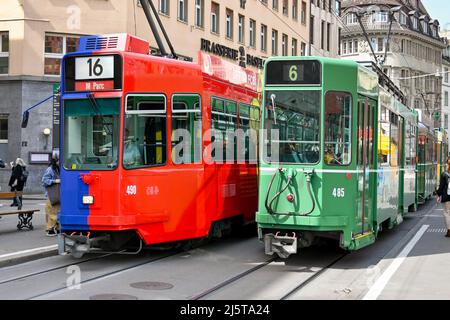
(447, 175)
(24, 177)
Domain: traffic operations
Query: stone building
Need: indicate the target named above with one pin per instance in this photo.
(326, 27)
(413, 58)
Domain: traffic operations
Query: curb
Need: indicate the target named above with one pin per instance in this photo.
(28, 255)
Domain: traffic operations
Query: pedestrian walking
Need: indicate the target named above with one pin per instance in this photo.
(444, 195)
(18, 180)
(51, 180)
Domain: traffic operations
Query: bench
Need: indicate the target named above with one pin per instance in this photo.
(25, 216)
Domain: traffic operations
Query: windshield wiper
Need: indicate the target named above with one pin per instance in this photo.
(98, 113)
(273, 97)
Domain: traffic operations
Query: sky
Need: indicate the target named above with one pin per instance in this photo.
(439, 9)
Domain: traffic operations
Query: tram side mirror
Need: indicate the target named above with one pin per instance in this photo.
(25, 117)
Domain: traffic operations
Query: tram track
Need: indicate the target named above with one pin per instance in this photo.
(260, 266)
(105, 275)
(22, 277)
(233, 279)
(312, 277)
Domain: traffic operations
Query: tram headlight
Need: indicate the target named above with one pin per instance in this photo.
(88, 200)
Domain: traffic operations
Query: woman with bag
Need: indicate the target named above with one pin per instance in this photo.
(51, 182)
(18, 180)
(444, 195)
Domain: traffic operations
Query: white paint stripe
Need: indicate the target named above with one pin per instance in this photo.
(35, 250)
(382, 281)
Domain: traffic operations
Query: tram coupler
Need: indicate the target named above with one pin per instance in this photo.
(282, 245)
(78, 245)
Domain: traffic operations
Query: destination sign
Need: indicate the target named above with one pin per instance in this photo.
(94, 67)
(93, 73)
(293, 72)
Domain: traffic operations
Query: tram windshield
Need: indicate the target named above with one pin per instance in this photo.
(292, 123)
(91, 134)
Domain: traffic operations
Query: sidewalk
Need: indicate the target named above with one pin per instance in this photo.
(17, 246)
(425, 272)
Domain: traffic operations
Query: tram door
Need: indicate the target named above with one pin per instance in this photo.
(366, 159)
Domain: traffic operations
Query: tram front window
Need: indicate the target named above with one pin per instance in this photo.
(292, 121)
(91, 134)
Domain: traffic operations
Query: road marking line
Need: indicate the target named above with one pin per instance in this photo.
(19, 253)
(382, 281)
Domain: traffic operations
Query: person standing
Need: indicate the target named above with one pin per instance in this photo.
(444, 195)
(18, 180)
(50, 178)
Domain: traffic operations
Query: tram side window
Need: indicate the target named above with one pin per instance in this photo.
(249, 119)
(408, 145)
(413, 145)
(145, 131)
(384, 137)
(224, 124)
(394, 146)
(186, 135)
(338, 119)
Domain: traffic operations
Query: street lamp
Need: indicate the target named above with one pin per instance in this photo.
(46, 134)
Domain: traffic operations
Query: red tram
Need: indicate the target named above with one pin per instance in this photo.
(124, 114)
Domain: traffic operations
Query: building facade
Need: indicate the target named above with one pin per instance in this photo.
(36, 34)
(325, 28)
(411, 54)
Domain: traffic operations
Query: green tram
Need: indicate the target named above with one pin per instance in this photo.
(338, 154)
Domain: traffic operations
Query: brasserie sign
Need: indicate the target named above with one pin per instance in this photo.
(232, 54)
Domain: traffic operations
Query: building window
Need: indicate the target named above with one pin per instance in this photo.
(303, 49)
(349, 47)
(56, 46)
(380, 17)
(4, 52)
(446, 71)
(164, 6)
(339, 40)
(274, 42)
(3, 129)
(328, 36)
(294, 51)
(311, 29)
(446, 99)
(322, 35)
(338, 7)
(285, 7)
(241, 29)
(425, 27)
(263, 38)
(284, 45)
(252, 33)
(378, 44)
(446, 122)
(303, 13)
(415, 23)
(403, 18)
(229, 24)
(199, 13)
(352, 19)
(214, 17)
(295, 9)
(275, 5)
(242, 3)
(182, 10)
